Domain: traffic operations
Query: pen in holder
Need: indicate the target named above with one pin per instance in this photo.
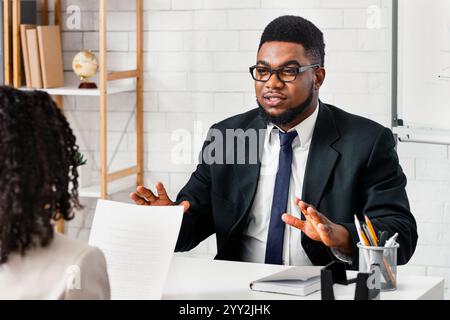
(386, 258)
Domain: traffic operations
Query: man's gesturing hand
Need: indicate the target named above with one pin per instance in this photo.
(146, 197)
(320, 228)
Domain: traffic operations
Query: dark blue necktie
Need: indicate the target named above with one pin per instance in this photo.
(275, 237)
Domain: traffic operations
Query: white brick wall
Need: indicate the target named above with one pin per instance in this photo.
(196, 58)
(427, 168)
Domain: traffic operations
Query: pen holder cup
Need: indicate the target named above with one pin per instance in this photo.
(384, 258)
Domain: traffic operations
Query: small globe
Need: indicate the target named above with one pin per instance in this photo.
(85, 65)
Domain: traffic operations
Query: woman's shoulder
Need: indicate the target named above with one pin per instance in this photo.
(64, 269)
(72, 249)
(74, 252)
(87, 275)
(62, 253)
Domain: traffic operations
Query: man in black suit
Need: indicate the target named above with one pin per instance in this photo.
(313, 160)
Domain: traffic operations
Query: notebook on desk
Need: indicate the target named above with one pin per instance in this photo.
(299, 281)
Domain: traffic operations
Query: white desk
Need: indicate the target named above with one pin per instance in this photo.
(201, 279)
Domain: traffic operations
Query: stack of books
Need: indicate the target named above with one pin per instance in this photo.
(42, 56)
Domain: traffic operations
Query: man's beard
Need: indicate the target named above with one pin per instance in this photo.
(289, 115)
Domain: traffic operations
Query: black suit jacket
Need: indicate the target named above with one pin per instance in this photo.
(352, 168)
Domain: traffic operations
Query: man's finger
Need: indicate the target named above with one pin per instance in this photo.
(162, 193)
(319, 217)
(316, 216)
(293, 221)
(311, 222)
(303, 206)
(186, 205)
(146, 194)
(138, 200)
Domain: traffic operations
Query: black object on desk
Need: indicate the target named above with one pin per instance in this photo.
(335, 273)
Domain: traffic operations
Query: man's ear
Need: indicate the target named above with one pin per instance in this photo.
(319, 77)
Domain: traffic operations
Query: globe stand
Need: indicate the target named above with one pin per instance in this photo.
(87, 85)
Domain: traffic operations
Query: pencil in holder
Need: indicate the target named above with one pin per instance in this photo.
(386, 258)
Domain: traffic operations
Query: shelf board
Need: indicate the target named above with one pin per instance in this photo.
(113, 187)
(74, 91)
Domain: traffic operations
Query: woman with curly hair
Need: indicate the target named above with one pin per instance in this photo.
(38, 186)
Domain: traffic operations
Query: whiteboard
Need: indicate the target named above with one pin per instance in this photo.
(424, 63)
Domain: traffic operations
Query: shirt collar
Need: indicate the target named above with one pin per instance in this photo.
(304, 129)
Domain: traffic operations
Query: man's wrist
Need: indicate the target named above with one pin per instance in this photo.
(345, 243)
(341, 256)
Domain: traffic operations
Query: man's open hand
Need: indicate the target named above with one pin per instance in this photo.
(146, 197)
(320, 228)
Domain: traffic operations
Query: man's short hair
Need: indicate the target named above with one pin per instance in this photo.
(297, 30)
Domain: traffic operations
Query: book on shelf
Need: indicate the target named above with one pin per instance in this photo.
(25, 55)
(42, 56)
(28, 15)
(299, 281)
(50, 53)
(2, 49)
(34, 60)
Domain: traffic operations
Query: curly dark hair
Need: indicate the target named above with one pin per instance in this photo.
(38, 170)
(297, 30)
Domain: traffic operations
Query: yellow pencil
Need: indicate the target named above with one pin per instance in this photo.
(371, 229)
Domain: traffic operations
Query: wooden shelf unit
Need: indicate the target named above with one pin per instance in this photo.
(12, 63)
(74, 91)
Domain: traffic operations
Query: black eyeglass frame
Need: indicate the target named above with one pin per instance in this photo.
(299, 69)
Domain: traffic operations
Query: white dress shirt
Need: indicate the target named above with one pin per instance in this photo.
(255, 234)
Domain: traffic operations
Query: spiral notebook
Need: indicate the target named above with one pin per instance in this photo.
(299, 281)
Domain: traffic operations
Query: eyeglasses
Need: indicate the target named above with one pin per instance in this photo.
(284, 74)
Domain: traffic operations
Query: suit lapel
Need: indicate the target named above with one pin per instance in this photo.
(247, 174)
(322, 157)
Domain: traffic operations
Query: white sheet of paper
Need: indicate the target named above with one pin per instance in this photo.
(138, 243)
